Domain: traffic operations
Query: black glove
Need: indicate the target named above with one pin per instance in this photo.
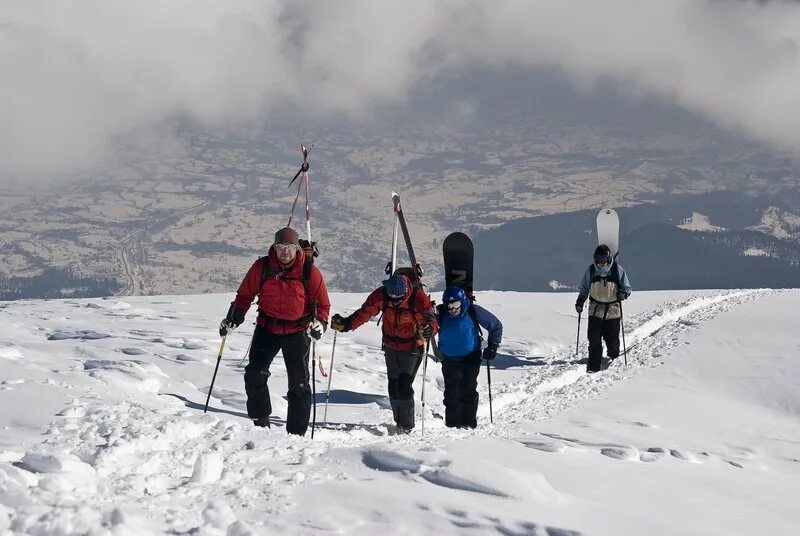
(425, 330)
(316, 328)
(490, 352)
(340, 323)
(232, 320)
(622, 295)
(579, 304)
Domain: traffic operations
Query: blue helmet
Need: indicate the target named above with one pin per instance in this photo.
(454, 294)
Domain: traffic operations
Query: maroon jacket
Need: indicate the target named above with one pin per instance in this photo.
(282, 302)
(399, 324)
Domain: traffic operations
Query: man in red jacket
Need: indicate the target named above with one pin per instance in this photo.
(293, 306)
(408, 320)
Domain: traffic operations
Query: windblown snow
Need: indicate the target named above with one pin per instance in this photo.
(103, 430)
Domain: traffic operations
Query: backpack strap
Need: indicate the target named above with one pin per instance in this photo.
(266, 273)
(614, 275)
(473, 314)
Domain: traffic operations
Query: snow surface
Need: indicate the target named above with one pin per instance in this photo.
(699, 222)
(103, 431)
(755, 252)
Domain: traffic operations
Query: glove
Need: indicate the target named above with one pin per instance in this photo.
(490, 352)
(316, 328)
(579, 304)
(232, 320)
(622, 295)
(340, 324)
(425, 330)
(223, 327)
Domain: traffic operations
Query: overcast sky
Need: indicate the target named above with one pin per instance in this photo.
(75, 75)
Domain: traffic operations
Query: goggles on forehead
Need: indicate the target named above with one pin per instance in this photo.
(285, 247)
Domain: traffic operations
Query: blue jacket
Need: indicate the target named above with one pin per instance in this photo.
(460, 338)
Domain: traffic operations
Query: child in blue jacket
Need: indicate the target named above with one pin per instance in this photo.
(459, 347)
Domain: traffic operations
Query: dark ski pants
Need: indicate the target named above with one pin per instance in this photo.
(602, 330)
(401, 369)
(295, 348)
(461, 391)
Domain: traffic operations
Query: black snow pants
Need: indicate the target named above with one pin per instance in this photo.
(295, 348)
(461, 391)
(401, 369)
(602, 330)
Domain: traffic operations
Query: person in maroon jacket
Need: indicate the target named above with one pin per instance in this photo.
(408, 320)
(293, 306)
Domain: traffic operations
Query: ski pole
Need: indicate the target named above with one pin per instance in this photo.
(314, 377)
(489, 382)
(578, 338)
(424, 376)
(330, 376)
(216, 368)
(622, 324)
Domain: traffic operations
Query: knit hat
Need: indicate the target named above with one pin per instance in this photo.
(395, 287)
(287, 235)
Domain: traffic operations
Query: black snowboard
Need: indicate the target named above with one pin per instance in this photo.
(458, 255)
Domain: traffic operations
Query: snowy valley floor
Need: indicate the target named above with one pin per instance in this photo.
(102, 428)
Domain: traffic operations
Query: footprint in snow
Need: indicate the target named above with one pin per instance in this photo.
(189, 358)
(620, 453)
(653, 454)
(82, 335)
(545, 446)
(133, 351)
(684, 455)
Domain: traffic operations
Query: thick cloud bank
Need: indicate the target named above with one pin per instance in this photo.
(75, 75)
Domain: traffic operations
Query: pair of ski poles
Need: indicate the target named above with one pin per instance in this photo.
(424, 380)
(330, 377)
(578, 340)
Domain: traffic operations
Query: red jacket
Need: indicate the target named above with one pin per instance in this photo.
(399, 324)
(282, 302)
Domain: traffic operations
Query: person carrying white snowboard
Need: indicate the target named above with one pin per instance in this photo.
(606, 284)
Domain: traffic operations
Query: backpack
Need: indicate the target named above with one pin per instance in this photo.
(613, 275)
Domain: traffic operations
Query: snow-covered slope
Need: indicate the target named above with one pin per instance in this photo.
(103, 431)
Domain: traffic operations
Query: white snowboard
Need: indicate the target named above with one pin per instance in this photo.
(608, 230)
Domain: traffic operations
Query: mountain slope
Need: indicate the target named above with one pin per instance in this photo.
(697, 434)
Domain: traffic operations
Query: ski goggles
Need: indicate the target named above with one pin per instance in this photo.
(285, 247)
(600, 260)
(453, 306)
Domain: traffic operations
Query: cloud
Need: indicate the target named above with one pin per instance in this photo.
(78, 75)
